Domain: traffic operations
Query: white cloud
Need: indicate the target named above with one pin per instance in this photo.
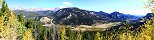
(62, 6)
(67, 3)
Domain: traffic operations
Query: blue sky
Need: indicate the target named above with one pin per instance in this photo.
(134, 7)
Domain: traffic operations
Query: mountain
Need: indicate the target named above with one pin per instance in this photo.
(117, 16)
(148, 16)
(36, 11)
(78, 16)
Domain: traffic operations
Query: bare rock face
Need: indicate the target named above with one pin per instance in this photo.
(45, 20)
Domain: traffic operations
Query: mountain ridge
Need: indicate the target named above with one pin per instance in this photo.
(77, 16)
(63, 15)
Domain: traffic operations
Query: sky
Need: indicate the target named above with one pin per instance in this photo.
(133, 7)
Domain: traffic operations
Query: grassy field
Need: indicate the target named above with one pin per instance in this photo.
(97, 27)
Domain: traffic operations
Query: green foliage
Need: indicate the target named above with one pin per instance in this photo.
(78, 36)
(21, 30)
(21, 27)
(4, 7)
(21, 19)
(41, 31)
(70, 34)
(62, 33)
(30, 23)
(97, 36)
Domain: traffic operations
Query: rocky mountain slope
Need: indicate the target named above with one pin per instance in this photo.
(148, 16)
(76, 16)
(117, 16)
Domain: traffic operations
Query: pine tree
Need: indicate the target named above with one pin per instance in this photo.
(21, 19)
(78, 36)
(30, 23)
(41, 31)
(4, 7)
(88, 35)
(21, 30)
(21, 27)
(62, 33)
(97, 36)
(70, 34)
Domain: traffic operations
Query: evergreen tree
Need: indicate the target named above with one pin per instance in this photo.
(62, 33)
(70, 34)
(97, 36)
(30, 23)
(21, 27)
(78, 36)
(21, 30)
(4, 7)
(21, 19)
(41, 31)
(88, 36)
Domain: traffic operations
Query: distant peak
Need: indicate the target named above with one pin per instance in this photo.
(116, 12)
(37, 9)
